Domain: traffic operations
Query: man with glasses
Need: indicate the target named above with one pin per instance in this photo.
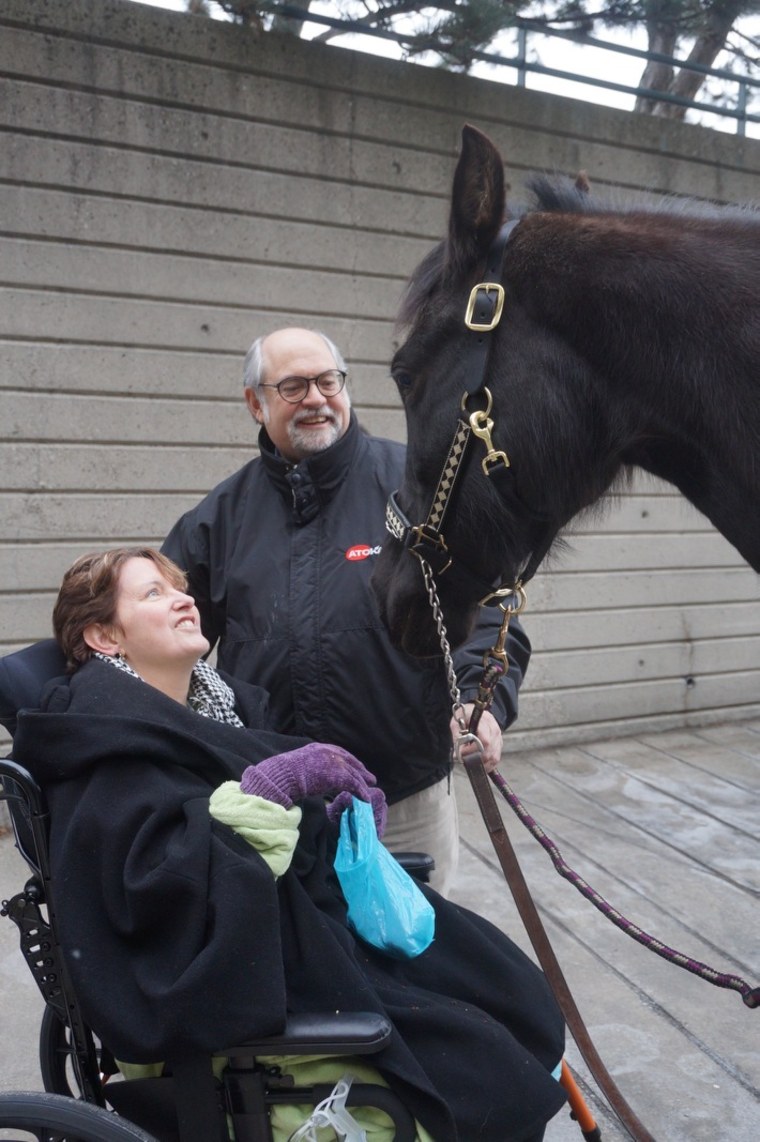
(279, 558)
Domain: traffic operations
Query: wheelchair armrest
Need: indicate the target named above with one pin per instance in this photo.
(328, 1033)
(418, 865)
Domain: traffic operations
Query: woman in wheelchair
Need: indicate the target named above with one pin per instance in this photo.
(192, 852)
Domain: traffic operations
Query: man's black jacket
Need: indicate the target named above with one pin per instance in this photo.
(279, 559)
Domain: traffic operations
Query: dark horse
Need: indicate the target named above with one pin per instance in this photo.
(628, 337)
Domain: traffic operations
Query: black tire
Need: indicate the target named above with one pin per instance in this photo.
(56, 1118)
(58, 1076)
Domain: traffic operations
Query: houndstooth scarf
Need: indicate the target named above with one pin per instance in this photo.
(209, 694)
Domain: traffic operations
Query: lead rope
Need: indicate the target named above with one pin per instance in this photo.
(491, 674)
(473, 764)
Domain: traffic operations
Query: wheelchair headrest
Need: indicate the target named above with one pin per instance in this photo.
(23, 677)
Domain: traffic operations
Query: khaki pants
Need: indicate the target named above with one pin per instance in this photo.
(428, 822)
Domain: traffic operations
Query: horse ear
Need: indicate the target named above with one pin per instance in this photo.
(477, 198)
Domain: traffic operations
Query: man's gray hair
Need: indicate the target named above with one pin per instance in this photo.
(253, 367)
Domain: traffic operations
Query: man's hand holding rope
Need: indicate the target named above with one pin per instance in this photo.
(489, 733)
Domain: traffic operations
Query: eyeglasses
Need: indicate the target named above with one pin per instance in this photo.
(294, 389)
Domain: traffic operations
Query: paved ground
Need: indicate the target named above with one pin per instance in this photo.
(666, 828)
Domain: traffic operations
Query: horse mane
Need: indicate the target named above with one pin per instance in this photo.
(421, 285)
(561, 196)
(557, 194)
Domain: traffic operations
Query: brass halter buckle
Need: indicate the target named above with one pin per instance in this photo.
(488, 288)
(430, 547)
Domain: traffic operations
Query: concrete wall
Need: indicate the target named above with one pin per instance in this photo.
(170, 187)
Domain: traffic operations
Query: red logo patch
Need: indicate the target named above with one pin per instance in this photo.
(361, 551)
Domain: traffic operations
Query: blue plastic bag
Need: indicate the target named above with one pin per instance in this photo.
(385, 906)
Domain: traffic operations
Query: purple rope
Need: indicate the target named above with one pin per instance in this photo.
(750, 995)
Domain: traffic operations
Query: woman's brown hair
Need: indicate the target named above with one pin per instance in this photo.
(89, 593)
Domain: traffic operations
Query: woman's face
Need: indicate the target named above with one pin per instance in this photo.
(157, 625)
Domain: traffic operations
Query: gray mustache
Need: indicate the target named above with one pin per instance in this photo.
(327, 413)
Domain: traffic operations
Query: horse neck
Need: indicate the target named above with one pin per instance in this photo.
(641, 294)
(666, 313)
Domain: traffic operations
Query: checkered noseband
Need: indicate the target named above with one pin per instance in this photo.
(426, 540)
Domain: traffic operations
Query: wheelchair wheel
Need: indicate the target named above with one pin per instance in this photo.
(55, 1118)
(58, 1076)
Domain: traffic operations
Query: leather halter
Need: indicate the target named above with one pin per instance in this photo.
(426, 540)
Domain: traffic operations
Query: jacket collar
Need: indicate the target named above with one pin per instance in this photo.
(309, 485)
(111, 714)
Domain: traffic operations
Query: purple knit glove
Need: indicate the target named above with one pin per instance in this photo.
(377, 801)
(314, 769)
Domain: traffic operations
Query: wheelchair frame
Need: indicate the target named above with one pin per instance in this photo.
(189, 1093)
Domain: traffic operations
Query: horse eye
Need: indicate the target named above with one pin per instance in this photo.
(404, 380)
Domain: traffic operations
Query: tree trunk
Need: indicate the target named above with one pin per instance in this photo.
(656, 76)
(710, 40)
(290, 23)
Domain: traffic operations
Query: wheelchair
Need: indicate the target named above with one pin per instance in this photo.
(187, 1103)
(85, 1099)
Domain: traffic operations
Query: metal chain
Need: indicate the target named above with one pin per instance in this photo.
(457, 708)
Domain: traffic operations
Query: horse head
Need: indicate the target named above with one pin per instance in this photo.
(579, 341)
(491, 533)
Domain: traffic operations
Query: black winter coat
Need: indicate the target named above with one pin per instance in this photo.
(176, 932)
(279, 560)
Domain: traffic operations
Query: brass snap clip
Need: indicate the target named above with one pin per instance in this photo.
(482, 426)
(513, 602)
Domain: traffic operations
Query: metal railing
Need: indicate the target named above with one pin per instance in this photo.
(744, 83)
(747, 88)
